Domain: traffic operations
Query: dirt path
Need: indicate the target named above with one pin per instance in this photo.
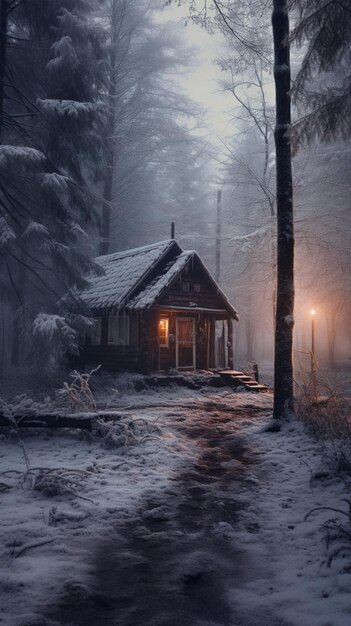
(169, 565)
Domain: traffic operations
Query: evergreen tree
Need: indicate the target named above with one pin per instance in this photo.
(53, 73)
(148, 143)
(322, 87)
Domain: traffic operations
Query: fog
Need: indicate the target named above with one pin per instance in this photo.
(184, 109)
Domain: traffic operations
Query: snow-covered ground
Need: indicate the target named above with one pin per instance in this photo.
(188, 513)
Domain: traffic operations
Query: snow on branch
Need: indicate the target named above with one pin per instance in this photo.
(20, 156)
(55, 182)
(7, 234)
(54, 338)
(64, 55)
(35, 229)
(48, 326)
(69, 108)
(248, 241)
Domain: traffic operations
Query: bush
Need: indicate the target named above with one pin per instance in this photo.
(326, 413)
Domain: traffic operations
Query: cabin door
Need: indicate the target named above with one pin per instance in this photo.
(185, 346)
(221, 344)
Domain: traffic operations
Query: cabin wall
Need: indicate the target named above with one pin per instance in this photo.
(192, 288)
(191, 295)
(116, 358)
(144, 354)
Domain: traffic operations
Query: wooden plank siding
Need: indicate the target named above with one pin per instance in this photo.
(183, 292)
(112, 357)
(144, 353)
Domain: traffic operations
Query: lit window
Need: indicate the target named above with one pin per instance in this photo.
(118, 330)
(95, 332)
(163, 326)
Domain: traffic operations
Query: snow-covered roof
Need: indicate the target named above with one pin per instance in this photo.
(148, 296)
(136, 279)
(124, 271)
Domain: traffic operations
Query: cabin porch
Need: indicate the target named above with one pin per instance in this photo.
(160, 340)
(190, 339)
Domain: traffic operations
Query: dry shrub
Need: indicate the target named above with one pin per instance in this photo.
(337, 533)
(326, 413)
(125, 433)
(78, 394)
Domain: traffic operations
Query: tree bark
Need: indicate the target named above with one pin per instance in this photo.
(283, 363)
(110, 143)
(4, 10)
(218, 236)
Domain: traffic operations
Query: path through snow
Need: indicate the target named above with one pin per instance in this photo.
(203, 525)
(170, 564)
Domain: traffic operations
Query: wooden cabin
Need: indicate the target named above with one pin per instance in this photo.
(157, 308)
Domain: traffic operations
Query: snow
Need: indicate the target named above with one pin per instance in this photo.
(151, 293)
(49, 325)
(55, 182)
(280, 68)
(128, 280)
(36, 229)
(70, 108)
(250, 240)
(123, 271)
(64, 55)
(7, 234)
(20, 155)
(200, 482)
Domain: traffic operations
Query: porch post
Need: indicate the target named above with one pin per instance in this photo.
(230, 343)
(212, 359)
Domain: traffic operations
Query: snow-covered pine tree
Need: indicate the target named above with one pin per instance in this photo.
(323, 84)
(52, 109)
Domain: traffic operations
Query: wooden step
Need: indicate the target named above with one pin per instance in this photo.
(257, 387)
(229, 373)
(237, 378)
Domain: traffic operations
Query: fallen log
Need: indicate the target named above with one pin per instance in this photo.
(83, 421)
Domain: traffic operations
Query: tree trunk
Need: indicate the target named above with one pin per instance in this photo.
(110, 143)
(249, 331)
(331, 333)
(19, 320)
(4, 10)
(218, 235)
(283, 365)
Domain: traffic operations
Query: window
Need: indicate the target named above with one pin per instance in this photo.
(118, 330)
(95, 332)
(163, 335)
(197, 287)
(185, 286)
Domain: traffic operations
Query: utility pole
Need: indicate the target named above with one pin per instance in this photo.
(218, 235)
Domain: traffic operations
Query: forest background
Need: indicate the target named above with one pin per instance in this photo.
(116, 119)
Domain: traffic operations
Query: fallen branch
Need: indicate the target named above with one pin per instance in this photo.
(30, 546)
(85, 421)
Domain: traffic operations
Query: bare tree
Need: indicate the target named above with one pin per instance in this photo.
(283, 363)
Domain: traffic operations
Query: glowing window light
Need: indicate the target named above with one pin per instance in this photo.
(163, 327)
